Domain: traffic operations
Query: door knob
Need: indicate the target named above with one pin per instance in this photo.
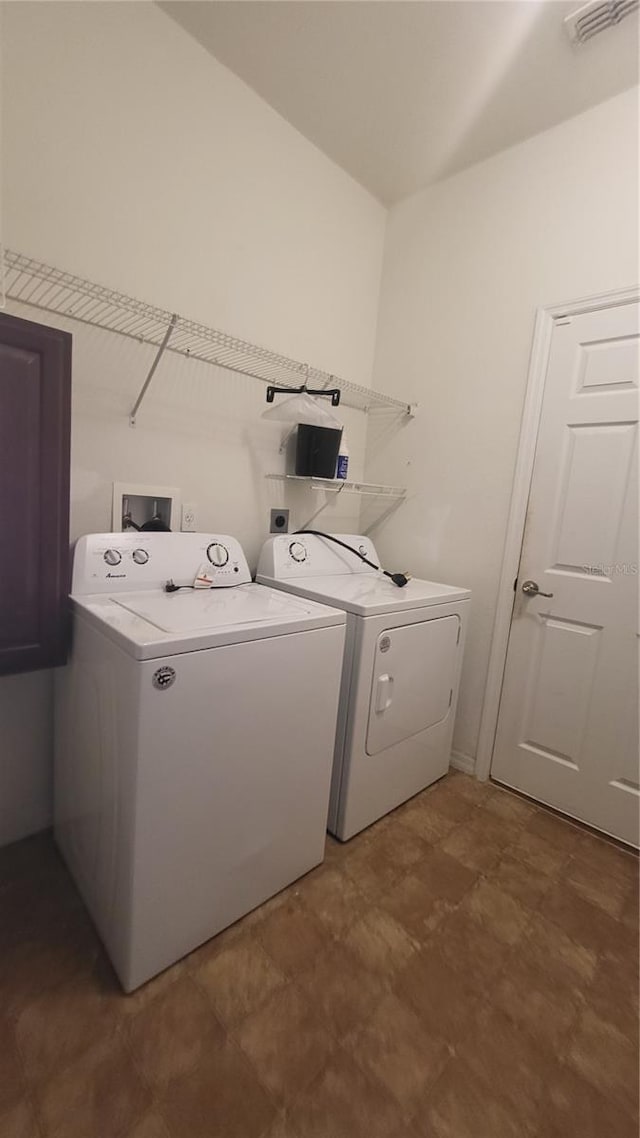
(530, 589)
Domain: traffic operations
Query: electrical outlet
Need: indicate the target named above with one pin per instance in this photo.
(279, 521)
(188, 518)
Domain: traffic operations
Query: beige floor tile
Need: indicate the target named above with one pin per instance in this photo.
(238, 980)
(508, 1061)
(151, 1125)
(20, 1121)
(509, 807)
(572, 1106)
(395, 1048)
(173, 1033)
(446, 878)
(443, 799)
(12, 1084)
(521, 880)
(286, 1042)
(496, 911)
(606, 857)
(222, 1097)
(471, 950)
(536, 851)
(459, 922)
(467, 786)
(540, 1004)
(607, 1059)
(281, 1127)
(431, 826)
(630, 915)
(608, 891)
(586, 923)
(333, 898)
(440, 996)
(470, 845)
(402, 846)
(613, 996)
(344, 1102)
(462, 1106)
(558, 832)
(415, 907)
(380, 943)
(99, 1094)
(549, 949)
(59, 1026)
(293, 937)
(57, 950)
(373, 871)
(128, 1004)
(342, 990)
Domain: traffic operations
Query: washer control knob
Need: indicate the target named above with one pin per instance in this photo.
(112, 557)
(298, 551)
(217, 554)
(140, 556)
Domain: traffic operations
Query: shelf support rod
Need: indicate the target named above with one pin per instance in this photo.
(151, 372)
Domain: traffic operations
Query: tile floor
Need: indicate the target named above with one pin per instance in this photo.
(467, 968)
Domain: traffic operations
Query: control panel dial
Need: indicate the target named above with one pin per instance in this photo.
(298, 551)
(218, 554)
(112, 557)
(140, 556)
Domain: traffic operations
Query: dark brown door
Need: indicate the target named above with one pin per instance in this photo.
(35, 412)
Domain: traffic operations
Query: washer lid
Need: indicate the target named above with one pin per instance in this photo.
(366, 594)
(155, 623)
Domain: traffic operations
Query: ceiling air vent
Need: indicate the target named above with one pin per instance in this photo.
(596, 16)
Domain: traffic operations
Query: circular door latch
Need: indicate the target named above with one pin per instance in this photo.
(163, 677)
(385, 644)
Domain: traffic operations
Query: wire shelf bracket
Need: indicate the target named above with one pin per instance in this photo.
(343, 486)
(150, 373)
(43, 286)
(333, 487)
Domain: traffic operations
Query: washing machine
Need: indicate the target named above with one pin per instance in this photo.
(194, 737)
(400, 675)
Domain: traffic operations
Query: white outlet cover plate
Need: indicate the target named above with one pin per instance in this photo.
(189, 513)
(133, 489)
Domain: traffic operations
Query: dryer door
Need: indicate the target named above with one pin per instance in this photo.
(413, 679)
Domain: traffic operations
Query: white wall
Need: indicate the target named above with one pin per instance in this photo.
(25, 754)
(467, 262)
(131, 157)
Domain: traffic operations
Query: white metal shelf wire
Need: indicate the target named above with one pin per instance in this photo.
(43, 286)
(339, 485)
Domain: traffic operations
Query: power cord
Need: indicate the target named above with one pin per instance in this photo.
(399, 579)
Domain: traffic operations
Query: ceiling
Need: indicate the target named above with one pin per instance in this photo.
(401, 93)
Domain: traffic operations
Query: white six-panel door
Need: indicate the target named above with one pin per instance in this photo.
(568, 723)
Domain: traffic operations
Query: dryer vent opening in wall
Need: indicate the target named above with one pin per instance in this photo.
(595, 17)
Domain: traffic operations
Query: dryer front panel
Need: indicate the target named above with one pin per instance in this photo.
(414, 671)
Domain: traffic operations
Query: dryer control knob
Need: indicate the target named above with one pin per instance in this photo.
(112, 557)
(298, 551)
(140, 556)
(217, 554)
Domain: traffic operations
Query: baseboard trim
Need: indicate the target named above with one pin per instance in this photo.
(462, 762)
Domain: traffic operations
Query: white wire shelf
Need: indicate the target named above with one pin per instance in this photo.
(33, 283)
(343, 486)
